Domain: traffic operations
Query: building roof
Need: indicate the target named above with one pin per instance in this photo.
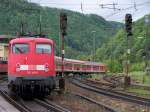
(7, 37)
(3, 44)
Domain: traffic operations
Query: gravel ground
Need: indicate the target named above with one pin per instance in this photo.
(120, 105)
(74, 103)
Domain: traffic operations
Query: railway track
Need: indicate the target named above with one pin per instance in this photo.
(104, 107)
(37, 105)
(117, 92)
(115, 81)
(29, 106)
(33, 106)
(51, 106)
(109, 85)
(111, 93)
(141, 86)
(13, 102)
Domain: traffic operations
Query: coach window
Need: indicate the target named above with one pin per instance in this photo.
(20, 48)
(43, 48)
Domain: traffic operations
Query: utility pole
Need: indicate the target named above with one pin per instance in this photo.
(40, 23)
(146, 21)
(94, 45)
(63, 27)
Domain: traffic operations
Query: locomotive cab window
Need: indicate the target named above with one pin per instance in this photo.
(20, 48)
(43, 48)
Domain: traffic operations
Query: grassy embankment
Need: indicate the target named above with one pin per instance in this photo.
(138, 77)
(141, 78)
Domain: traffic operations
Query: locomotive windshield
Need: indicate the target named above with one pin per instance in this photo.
(43, 48)
(20, 48)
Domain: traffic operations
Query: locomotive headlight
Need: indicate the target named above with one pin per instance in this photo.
(17, 67)
(46, 67)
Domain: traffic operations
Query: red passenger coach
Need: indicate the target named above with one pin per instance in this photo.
(79, 67)
(3, 65)
(31, 68)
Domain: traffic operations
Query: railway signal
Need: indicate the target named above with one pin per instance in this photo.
(63, 28)
(128, 24)
(63, 23)
(128, 28)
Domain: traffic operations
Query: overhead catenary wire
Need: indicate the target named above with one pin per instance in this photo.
(91, 6)
(55, 3)
(103, 6)
(86, 7)
(128, 8)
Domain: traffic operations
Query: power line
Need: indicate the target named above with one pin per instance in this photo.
(55, 3)
(112, 6)
(134, 6)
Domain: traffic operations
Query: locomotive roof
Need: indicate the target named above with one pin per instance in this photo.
(28, 39)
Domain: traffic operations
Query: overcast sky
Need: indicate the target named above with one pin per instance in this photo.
(137, 8)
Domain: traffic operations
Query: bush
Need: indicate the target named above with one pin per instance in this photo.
(137, 67)
(114, 66)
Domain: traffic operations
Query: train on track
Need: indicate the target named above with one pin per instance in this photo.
(70, 66)
(3, 65)
(3, 56)
(33, 68)
(79, 67)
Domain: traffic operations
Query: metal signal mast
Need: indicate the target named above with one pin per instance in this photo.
(63, 28)
(128, 28)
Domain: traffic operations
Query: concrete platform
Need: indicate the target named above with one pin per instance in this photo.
(6, 107)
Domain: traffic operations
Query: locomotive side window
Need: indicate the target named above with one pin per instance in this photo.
(43, 48)
(20, 48)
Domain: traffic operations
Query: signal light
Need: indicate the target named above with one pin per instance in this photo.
(128, 24)
(63, 23)
(144, 54)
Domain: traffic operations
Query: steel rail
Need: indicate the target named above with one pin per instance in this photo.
(13, 102)
(114, 80)
(141, 86)
(51, 106)
(101, 83)
(116, 92)
(58, 106)
(107, 108)
(134, 99)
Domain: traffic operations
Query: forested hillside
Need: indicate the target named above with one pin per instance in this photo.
(114, 51)
(80, 36)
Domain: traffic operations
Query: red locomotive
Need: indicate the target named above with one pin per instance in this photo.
(31, 68)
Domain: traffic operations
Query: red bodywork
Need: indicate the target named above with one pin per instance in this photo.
(32, 60)
(71, 66)
(3, 65)
(31, 64)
